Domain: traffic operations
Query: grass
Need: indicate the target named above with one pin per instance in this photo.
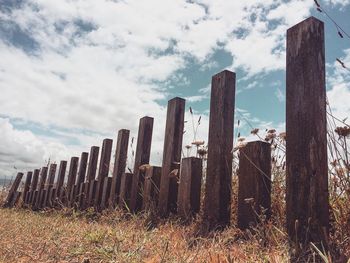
(56, 236)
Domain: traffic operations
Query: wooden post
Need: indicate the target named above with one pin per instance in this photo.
(217, 200)
(80, 178)
(106, 192)
(52, 194)
(151, 190)
(82, 196)
(189, 197)
(92, 192)
(34, 186)
(307, 204)
(254, 183)
(27, 187)
(125, 190)
(72, 174)
(50, 182)
(91, 175)
(41, 185)
(12, 193)
(60, 182)
(171, 156)
(121, 153)
(84, 201)
(142, 156)
(103, 169)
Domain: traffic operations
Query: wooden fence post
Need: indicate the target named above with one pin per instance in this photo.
(125, 190)
(103, 169)
(151, 189)
(142, 156)
(171, 156)
(217, 200)
(81, 176)
(307, 204)
(12, 193)
(50, 182)
(254, 183)
(26, 187)
(121, 153)
(72, 174)
(190, 187)
(34, 186)
(60, 182)
(41, 185)
(91, 175)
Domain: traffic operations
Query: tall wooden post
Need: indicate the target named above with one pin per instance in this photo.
(72, 174)
(41, 185)
(151, 189)
(34, 186)
(103, 169)
(81, 176)
(217, 200)
(189, 196)
(121, 153)
(307, 204)
(50, 182)
(12, 193)
(171, 156)
(91, 175)
(60, 181)
(142, 156)
(254, 185)
(106, 192)
(26, 187)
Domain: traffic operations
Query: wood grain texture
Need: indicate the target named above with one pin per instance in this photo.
(12, 195)
(41, 185)
(33, 186)
(121, 154)
(174, 129)
(60, 181)
(125, 190)
(217, 200)
(190, 187)
(151, 189)
(307, 204)
(142, 156)
(72, 174)
(92, 165)
(50, 182)
(254, 185)
(106, 192)
(103, 169)
(26, 187)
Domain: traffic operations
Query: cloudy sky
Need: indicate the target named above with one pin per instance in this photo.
(73, 72)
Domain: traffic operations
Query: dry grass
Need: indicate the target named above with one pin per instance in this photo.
(67, 236)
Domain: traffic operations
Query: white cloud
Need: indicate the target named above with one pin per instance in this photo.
(280, 95)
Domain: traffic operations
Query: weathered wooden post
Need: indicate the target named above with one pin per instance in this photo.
(50, 182)
(121, 153)
(26, 187)
(91, 175)
(72, 174)
(33, 186)
(41, 185)
(142, 156)
(190, 187)
(103, 169)
(125, 190)
(92, 192)
(151, 189)
(106, 192)
(307, 204)
(12, 193)
(254, 183)
(81, 176)
(217, 200)
(171, 156)
(60, 181)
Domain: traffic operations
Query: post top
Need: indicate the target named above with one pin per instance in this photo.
(225, 72)
(309, 20)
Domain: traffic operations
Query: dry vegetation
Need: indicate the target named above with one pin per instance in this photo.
(115, 236)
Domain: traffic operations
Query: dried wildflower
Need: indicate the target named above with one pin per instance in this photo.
(144, 167)
(334, 163)
(174, 173)
(241, 139)
(254, 131)
(188, 147)
(202, 152)
(270, 136)
(239, 145)
(271, 131)
(283, 135)
(198, 143)
(249, 200)
(343, 131)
